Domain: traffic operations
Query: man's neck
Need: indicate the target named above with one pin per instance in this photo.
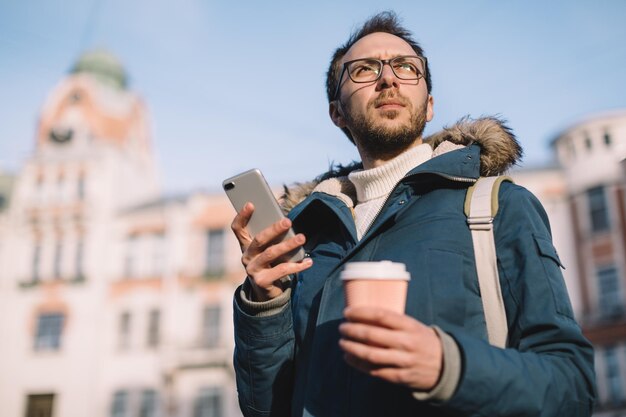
(373, 161)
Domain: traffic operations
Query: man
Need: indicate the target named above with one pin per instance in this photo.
(299, 352)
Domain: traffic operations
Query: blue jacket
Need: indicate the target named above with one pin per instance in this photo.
(290, 364)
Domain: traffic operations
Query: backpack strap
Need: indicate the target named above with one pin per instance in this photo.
(481, 207)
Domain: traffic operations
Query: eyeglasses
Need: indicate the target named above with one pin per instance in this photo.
(367, 70)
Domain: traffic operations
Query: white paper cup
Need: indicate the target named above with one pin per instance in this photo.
(376, 284)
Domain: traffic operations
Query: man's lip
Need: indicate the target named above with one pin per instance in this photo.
(389, 103)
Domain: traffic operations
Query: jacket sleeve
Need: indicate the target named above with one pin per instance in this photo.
(263, 360)
(547, 370)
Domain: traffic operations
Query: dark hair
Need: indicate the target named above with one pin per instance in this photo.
(387, 22)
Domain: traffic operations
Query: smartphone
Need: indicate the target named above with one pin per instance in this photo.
(250, 186)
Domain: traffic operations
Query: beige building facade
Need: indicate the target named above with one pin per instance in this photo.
(116, 301)
(585, 198)
(591, 154)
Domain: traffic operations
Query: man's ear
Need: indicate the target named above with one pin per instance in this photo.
(430, 112)
(336, 114)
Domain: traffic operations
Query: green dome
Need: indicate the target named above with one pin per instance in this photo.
(103, 65)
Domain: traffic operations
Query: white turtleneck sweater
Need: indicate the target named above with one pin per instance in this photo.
(374, 185)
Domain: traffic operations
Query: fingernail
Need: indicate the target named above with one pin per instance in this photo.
(284, 222)
(307, 261)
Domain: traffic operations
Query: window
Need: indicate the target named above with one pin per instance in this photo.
(208, 403)
(614, 379)
(571, 147)
(49, 329)
(119, 407)
(124, 330)
(80, 189)
(58, 259)
(215, 252)
(148, 406)
(154, 328)
(609, 292)
(607, 139)
(598, 209)
(60, 195)
(74, 97)
(79, 273)
(211, 326)
(40, 190)
(130, 261)
(588, 143)
(36, 262)
(158, 255)
(39, 405)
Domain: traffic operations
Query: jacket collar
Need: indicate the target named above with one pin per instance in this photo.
(489, 147)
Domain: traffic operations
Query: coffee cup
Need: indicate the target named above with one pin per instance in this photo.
(376, 284)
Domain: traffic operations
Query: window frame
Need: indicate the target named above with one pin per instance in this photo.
(49, 332)
(211, 326)
(215, 253)
(209, 398)
(598, 208)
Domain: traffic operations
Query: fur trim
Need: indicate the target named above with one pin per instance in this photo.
(297, 192)
(294, 194)
(499, 151)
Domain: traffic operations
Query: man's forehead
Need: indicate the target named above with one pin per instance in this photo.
(378, 45)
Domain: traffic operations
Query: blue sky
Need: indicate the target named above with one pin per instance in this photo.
(540, 65)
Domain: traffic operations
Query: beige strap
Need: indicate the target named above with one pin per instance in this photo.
(480, 214)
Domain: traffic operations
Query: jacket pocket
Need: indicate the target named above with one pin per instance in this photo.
(551, 265)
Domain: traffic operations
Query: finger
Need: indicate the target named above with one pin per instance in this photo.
(269, 235)
(288, 268)
(266, 278)
(412, 377)
(379, 336)
(383, 318)
(401, 376)
(373, 357)
(359, 364)
(274, 253)
(239, 224)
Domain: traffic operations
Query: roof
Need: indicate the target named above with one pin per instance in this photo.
(104, 66)
(605, 115)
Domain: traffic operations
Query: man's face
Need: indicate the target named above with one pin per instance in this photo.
(387, 115)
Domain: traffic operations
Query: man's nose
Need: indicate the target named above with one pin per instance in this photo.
(387, 77)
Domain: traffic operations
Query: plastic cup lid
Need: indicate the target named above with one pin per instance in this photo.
(375, 270)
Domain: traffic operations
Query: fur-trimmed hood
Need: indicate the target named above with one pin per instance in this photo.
(499, 151)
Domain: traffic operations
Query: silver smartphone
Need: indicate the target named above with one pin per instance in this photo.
(250, 186)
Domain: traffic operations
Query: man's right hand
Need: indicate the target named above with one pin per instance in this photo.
(261, 254)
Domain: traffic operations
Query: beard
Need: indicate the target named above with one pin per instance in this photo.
(380, 141)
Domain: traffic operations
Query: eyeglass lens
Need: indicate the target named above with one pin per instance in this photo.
(365, 70)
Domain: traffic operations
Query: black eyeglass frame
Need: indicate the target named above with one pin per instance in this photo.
(382, 64)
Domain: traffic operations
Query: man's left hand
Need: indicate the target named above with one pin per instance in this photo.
(392, 346)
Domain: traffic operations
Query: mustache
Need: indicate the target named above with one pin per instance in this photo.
(388, 95)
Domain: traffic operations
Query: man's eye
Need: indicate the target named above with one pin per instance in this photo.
(364, 70)
(406, 67)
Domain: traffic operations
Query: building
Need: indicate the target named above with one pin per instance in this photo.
(116, 299)
(584, 195)
(591, 154)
